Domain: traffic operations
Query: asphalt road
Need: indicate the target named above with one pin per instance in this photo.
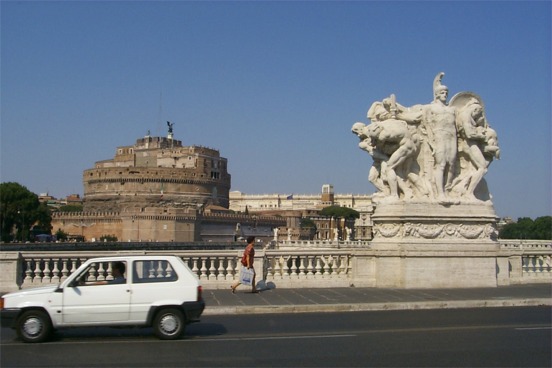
(485, 337)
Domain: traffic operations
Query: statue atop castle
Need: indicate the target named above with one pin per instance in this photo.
(436, 152)
(170, 134)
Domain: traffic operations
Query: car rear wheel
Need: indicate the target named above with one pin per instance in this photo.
(34, 326)
(169, 324)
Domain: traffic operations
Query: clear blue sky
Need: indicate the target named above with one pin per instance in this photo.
(275, 86)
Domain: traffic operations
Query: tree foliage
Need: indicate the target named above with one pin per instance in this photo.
(526, 228)
(307, 223)
(61, 235)
(20, 211)
(340, 212)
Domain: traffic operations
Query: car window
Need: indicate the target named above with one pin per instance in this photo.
(103, 273)
(153, 271)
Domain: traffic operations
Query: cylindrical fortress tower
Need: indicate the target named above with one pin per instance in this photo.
(157, 171)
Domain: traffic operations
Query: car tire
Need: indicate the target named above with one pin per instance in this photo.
(169, 324)
(34, 326)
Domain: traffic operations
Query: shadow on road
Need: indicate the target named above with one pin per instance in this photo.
(98, 333)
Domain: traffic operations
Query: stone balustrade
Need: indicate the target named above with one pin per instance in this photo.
(530, 260)
(518, 262)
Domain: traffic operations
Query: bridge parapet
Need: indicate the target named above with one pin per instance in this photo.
(517, 262)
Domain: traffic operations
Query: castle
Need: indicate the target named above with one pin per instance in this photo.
(160, 190)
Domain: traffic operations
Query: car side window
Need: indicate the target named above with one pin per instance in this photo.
(150, 271)
(103, 273)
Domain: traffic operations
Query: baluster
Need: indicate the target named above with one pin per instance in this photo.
(336, 266)
(203, 269)
(533, 264)
(310, 267)
(73, 266)
(190, 262)
(220, 274)
(37, 272)
(160, 270)
(540, 264)
(212, 268)
(102, 272)
(229, 270)
(285, 269)
(293, 267)
(194, 268)
(64, 271)
(47, 278)
(329, 267)
(151, 271)
(55, 273)
(278, 267)
(169, 271)
(269, 269)
(302, 267)
(525, 264)
(92, 273)
(318, 266)
(28, 272)
(344, 265)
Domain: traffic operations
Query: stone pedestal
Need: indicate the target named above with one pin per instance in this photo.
(428, 245)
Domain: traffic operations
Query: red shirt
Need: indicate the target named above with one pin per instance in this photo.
(249, 251)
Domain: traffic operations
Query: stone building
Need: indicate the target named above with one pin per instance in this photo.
(160, 190)
(158, 171)
(295, 206)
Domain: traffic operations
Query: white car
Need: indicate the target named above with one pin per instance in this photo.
(157, 291)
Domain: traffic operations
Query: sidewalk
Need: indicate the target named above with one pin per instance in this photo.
(371, 299)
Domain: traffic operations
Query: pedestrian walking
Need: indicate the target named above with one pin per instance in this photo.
(247, 262)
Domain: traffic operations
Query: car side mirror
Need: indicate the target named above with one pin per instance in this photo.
(77, 281)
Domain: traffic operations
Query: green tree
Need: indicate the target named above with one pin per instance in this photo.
(526, 228)
(543, 228)
(61, 235)
(20, 210)
(340, 212)
(308, 229)
(307, 223)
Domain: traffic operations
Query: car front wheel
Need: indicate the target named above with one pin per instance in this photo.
(169, 324)
(34, 326)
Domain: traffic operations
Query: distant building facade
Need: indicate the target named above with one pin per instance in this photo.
(296, 206)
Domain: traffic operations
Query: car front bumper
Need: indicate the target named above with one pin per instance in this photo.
(8, 317)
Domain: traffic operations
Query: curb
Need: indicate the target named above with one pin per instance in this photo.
(363, 307)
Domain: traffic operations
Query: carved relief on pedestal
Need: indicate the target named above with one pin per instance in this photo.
(419, 230)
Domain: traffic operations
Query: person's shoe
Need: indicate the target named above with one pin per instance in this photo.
(233, 289)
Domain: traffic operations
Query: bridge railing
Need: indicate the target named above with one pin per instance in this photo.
(524, 261)
(530, 260)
